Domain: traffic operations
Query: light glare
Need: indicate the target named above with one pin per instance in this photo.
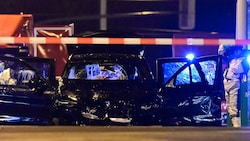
(190, 56)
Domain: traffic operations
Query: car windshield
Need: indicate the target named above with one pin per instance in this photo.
(103, 71)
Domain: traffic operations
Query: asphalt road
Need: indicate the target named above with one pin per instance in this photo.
(115, 133)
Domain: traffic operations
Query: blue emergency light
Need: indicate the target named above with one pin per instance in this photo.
(248, 59)
(190, 56)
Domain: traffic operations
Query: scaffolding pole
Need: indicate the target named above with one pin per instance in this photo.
(241, 33)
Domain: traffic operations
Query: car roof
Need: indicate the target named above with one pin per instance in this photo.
(103, 56)
(18, 51)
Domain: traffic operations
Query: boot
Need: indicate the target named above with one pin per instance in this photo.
(236, 121)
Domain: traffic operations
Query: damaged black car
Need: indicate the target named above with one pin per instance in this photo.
(107, 86)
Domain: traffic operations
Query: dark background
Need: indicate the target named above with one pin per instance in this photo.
(125, 15)
(211, 15)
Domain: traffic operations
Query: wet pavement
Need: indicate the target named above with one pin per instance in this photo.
(117, 133)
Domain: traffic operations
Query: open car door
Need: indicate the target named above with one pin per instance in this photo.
(192, 90)
(45, 66)
(26, 97)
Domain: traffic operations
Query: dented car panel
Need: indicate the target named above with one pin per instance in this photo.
(192, 90)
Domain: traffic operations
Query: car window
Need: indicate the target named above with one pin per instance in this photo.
(184, 77)
(103, 71)
(195, 74)
(43, 68)
(209, 69)
(170, 68)
(180, 71)
(15, 73)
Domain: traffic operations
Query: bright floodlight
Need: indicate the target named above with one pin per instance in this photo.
(190, 56)
(248, 59)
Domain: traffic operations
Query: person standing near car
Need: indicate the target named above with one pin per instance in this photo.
(235, 69)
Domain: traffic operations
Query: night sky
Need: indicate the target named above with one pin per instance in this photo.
(126, 15)
(211, 15)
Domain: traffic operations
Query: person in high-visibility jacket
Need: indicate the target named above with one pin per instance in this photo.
(235, 67)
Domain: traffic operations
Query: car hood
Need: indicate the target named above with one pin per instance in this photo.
(112, 89)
